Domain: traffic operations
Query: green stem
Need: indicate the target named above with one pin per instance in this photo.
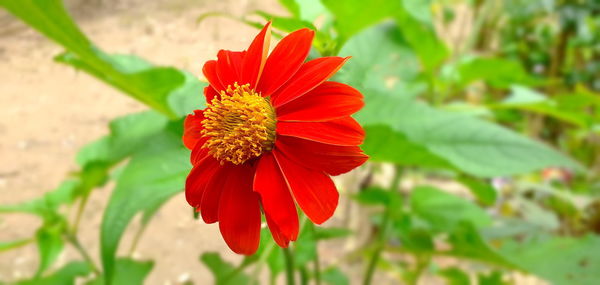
(381, 235)
(136, 238)
(79, 214)
(86, 256)
(317, 260)
(289, 266)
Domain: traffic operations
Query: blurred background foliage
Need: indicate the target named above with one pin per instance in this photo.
(497, 98)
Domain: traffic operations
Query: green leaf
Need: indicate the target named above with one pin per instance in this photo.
(331, 233)
(156, 172)
(352, 16)
(223, 272)
(292, 6)
(414, 20)
(560, 260)
(334, 276)
(455, 276)
(493, 278)
(498, 72)
(135, 77)
(443, 210)
(127, 135)
(64, 276)
(4, 246)
(390, 66)
(128, 271)
(373, 196)
(474, 146)
(482, 190)
(47, 205)
(467, 242)
(523, 98)
(50, 245)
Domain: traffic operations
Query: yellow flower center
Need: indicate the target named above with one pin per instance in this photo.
(239, 126)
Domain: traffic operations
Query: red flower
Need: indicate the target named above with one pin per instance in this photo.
(272, 133)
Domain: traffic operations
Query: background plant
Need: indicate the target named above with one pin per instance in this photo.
(516, 98)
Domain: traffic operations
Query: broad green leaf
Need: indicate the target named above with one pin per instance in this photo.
(382, 143)
(135, 77)
(64, 276)
(498, 72)
(50, 244)
(352, 16)
(560, 260)
(156, 172)
(334, 276)
(127, 271)
(223, 272)
(455, 276)
(468, 243)
(443, 210)
(8, 245)
(474, 146)
(390, 66)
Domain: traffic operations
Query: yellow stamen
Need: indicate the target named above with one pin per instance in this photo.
(239, 126)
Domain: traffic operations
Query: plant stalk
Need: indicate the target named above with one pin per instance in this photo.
(289, 266)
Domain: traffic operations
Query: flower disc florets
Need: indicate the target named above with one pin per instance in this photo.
(240, 125)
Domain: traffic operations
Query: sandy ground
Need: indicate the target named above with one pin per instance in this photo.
(49, 111)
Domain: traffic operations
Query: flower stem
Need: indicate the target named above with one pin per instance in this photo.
(381, 234)
(289, 266)
(75, 242)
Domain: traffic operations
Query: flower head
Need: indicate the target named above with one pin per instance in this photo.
(273, 132)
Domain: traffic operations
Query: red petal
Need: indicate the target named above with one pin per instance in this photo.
(239, 211)
(210, 93)
(330, 100)
(192, 129)
(210, 198)
(332, 159)
(314, 191)
(229, 66)
(285, 60)
(255, 58)
(309, 76)
(343, 131)
(210, 72)
(197, 180)
(276, 197)
(278, 236)
(199, 152)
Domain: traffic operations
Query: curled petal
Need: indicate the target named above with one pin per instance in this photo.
(229, 66)
(192, 129)
(285, 60)
(255, 58)
(210, 72)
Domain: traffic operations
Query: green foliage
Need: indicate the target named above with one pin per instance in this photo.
(223, 271)
(128, 271)
(429, 109)
(65, 275)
